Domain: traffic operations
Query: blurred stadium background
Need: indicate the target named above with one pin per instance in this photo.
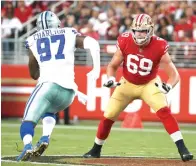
(104, 21)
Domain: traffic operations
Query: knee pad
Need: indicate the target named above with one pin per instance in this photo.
(163, 113)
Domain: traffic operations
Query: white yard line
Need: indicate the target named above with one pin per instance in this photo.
(95, 128)
(37, 163)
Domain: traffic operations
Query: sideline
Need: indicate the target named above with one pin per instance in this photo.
(95, 128)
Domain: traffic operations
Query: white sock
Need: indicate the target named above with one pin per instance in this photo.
(99, 141)
(48, 125)
(176, 136)
(27, 139)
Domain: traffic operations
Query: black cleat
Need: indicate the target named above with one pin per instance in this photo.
(92, 154)
(185, 155)
(95, 152)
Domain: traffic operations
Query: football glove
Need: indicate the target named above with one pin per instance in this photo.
(111, 82)
(165, 88)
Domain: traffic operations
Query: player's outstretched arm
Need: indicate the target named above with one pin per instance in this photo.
(91, 44)
(33, 66)
(170, 69)
(112, 69)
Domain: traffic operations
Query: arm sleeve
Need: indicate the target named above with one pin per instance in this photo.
(93, 46)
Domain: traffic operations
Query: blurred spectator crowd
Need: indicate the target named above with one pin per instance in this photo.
(105, 20)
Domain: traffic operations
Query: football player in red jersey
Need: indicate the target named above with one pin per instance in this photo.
(141, 54)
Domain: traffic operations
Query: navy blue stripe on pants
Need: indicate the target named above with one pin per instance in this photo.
(31, 99)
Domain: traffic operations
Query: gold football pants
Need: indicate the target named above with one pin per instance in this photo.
(127, 92)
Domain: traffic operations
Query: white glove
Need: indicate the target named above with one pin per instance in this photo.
(111, 82)
(165, 88)
(93, 74)
(82, 98)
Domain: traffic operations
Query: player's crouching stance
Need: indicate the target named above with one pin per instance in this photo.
(51, 59)
(141, 54)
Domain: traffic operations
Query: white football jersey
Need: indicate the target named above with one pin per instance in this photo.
(54, 52)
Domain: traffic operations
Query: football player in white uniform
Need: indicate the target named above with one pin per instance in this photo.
(51, 61)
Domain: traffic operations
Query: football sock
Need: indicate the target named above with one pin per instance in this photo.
(170, 123)
(168, 120)
(103, 130)
(27, 139)
(48, 122)
(176, 136)
(27, 132)
(99, 141)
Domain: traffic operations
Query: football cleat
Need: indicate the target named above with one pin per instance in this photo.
(185, 154)
(41, 146)
(92, 154)
(26, 153)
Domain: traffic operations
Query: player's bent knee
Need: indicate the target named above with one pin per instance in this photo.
(49, 114)
(164, 112)
(110, 116)
(32, 118)
(30, 121)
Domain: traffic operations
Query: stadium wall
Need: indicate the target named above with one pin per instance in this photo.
(17, 85)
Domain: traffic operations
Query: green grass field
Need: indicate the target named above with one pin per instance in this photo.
(151, 141)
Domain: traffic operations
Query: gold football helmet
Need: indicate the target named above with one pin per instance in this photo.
(142, 23)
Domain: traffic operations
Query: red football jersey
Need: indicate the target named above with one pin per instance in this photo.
(141, 65)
